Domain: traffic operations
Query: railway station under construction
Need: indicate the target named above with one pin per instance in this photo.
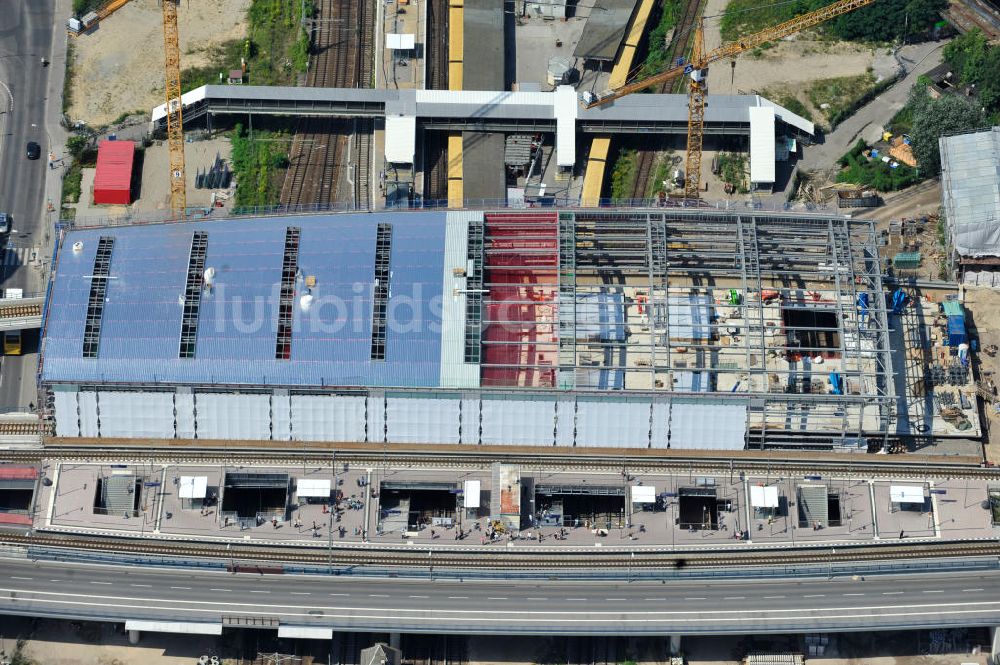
(659, 328)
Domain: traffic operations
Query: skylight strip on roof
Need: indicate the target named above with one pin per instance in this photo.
(474, 293)
(192, 294)
(98, 294)
(380, 294)
(286, 297)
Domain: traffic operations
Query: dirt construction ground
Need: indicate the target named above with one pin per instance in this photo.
(790, 63)
(119, 66)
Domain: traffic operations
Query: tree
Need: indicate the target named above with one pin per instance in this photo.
(76, 145)
(886, 20)
(932, 119)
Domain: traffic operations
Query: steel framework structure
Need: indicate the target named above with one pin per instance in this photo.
(657, 263)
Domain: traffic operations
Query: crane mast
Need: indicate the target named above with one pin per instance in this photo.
(175, 124)
(699, 61)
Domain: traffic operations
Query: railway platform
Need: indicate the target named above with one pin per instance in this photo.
(326, 503)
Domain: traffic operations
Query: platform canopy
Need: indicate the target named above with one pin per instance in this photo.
(399, 42)
(314, 487)
(183, 627)
(764, 497)
(643, 494)
(305, 632)
(193, 487)
(471, 492)
(906, 493)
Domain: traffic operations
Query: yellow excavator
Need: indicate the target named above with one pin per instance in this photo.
(699, 61)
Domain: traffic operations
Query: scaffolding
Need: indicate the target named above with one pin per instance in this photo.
(649, 273)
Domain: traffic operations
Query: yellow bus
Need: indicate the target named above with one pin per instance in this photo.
(12, 342)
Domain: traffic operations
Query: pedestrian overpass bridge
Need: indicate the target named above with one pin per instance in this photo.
(558, 111)
(21, 313)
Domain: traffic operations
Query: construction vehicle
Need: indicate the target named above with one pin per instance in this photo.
(695, 69)
(12, 342)
(76, 26)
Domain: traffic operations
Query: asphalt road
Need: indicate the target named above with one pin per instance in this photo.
(26, 34)
(475, 606)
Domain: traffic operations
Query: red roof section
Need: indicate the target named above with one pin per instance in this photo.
(113, 180)
(15, 518)
(17, 472)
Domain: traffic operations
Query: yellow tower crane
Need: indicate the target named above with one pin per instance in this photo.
(695, 69)
(175, 124)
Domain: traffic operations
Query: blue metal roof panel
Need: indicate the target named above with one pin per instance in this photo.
(331, 341)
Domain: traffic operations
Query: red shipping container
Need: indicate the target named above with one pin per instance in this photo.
(113, 180)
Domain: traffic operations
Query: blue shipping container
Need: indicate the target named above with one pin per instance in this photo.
(956, 330)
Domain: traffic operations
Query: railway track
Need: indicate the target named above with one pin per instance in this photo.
(648, 151)
(19, 311)
(435, 155)
(244, 556)
(436, 166)
(318, 173)
(362, 148)
(528, 459)
(437, 45)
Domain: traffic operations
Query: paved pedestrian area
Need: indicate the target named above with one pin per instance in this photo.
(329, 503)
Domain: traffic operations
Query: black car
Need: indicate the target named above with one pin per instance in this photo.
(34, 150)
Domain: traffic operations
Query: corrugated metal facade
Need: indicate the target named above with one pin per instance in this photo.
(492, 419)
(331, 342)
(705, 426)
(113, 179)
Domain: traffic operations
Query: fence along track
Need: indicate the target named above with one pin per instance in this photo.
(580, 559)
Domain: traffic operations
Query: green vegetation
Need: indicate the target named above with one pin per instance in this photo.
(81, 7)
(788, 99)
(19, 657)
(663, 173)
(656, 55)
(221, 58)
(275, 50)
(876, 174)
(882, 21)
(67, 97)
(977, 63)
(932, 119)
(257, 167)
(624, 173)
(902, 122)
(83, 154)
(840, 94)
(734, 171)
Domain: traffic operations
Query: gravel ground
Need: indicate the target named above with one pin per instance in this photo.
(119, 66)
(796, 60)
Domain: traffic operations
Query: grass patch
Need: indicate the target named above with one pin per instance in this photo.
(874, 174)
(657, 52)
(745, 17)
(789, 101)
(73, 178)
(840, 94)
(623, 174)
(663, 173)
(221, 58)
(258, 166)
(81, 7)
(67, 99)
(902, 122)
(275, 50)
(734, 171)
